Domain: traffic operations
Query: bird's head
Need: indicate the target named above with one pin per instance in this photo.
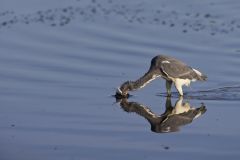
(122, 91)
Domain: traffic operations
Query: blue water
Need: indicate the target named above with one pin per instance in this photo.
(61, 62)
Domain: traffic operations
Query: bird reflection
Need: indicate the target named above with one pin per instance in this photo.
(171, 120)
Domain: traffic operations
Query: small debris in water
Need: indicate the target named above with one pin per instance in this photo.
(4, 23)
(207, 15)
(165, 147)
(212, 33)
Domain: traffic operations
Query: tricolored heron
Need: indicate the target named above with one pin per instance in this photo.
(170, 69)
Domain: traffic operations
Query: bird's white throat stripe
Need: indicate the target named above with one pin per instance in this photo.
(165, 62)
(153, 77)
(119, 90)
(196, 71)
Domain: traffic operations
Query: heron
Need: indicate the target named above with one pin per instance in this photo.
(168, 68)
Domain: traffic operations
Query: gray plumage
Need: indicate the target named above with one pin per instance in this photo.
(173, 68)
(169, 68)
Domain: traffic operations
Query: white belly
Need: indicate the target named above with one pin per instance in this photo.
(181, 82)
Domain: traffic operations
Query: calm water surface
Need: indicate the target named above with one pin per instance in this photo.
(61, 61)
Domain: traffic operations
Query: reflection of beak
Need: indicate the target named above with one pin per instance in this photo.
(201, 110)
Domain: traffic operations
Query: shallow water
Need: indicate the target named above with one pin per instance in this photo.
(61, 62)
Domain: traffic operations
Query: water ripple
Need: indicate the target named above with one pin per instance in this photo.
(231, 93)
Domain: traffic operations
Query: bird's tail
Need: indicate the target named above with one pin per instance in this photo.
(200, 76)
(203, 77)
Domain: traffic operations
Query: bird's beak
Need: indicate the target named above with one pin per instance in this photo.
(118, 91)
(119, 94)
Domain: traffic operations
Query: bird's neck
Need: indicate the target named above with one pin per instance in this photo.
(144, 80)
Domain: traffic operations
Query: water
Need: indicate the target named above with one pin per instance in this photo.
(61, 62)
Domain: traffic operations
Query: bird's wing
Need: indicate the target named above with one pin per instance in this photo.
(176, 69)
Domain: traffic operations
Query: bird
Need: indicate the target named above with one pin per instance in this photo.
(168, 68)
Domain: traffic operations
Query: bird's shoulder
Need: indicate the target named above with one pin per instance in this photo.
(159, 59)
(171, 66)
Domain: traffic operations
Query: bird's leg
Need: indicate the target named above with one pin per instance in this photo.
(168, 86)
(179, 88)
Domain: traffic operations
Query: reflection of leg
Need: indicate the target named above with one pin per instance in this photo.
(168, 106)
(179, 101)
(168, 102)
(168, 86)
